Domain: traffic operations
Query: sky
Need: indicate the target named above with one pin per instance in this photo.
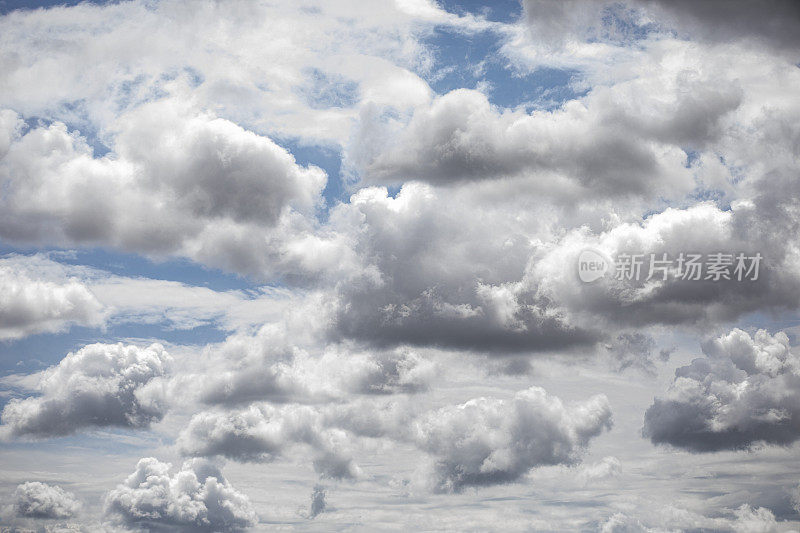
(406, 265)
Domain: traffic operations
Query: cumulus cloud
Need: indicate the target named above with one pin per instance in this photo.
(98, 385)
(483, 442)
(423, 284)
(581, 150)
(263, 432)
(506, 291)
(195, 498)
(209, 188)
(40, 500)
(30, 304)
(486, 441)
(744, 391)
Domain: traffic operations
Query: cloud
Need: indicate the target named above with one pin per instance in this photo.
(744, 391)
(195, 498)
(743, 519)
(40, 500)
(375, 48)
(99, 385)
(607, 467)
(262, 433)
(772, 22)
(432, 276)
(30, 304)
(487, 441)
(287, 361)
(425, 283)
(209, 188)
(318, 504)
(581, 150)
(719, 21)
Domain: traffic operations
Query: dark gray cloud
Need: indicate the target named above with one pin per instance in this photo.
(40, 500)
(195, 498)
(745, 390)
(318, 503)
(424, 282)
(99, 385)
(773, 22)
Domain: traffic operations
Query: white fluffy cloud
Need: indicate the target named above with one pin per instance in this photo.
(40, 500)
(181, 182)
(744, 391)
(487, 441)
(30, 304)
(195, 498)
(98, 385)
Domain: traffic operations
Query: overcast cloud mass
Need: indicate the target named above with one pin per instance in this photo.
(419, 265)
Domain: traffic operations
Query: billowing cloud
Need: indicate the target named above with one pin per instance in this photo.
(423, 284)
(40, 500)
(486, 441)
(98, 385)
(180, 182)
(744, 391)
(195, 498)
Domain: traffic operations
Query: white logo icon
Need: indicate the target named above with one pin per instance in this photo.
(592, 265)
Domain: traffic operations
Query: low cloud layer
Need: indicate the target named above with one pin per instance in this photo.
(99, 385)
(205, 185)
(195, 498)
(485, 441)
